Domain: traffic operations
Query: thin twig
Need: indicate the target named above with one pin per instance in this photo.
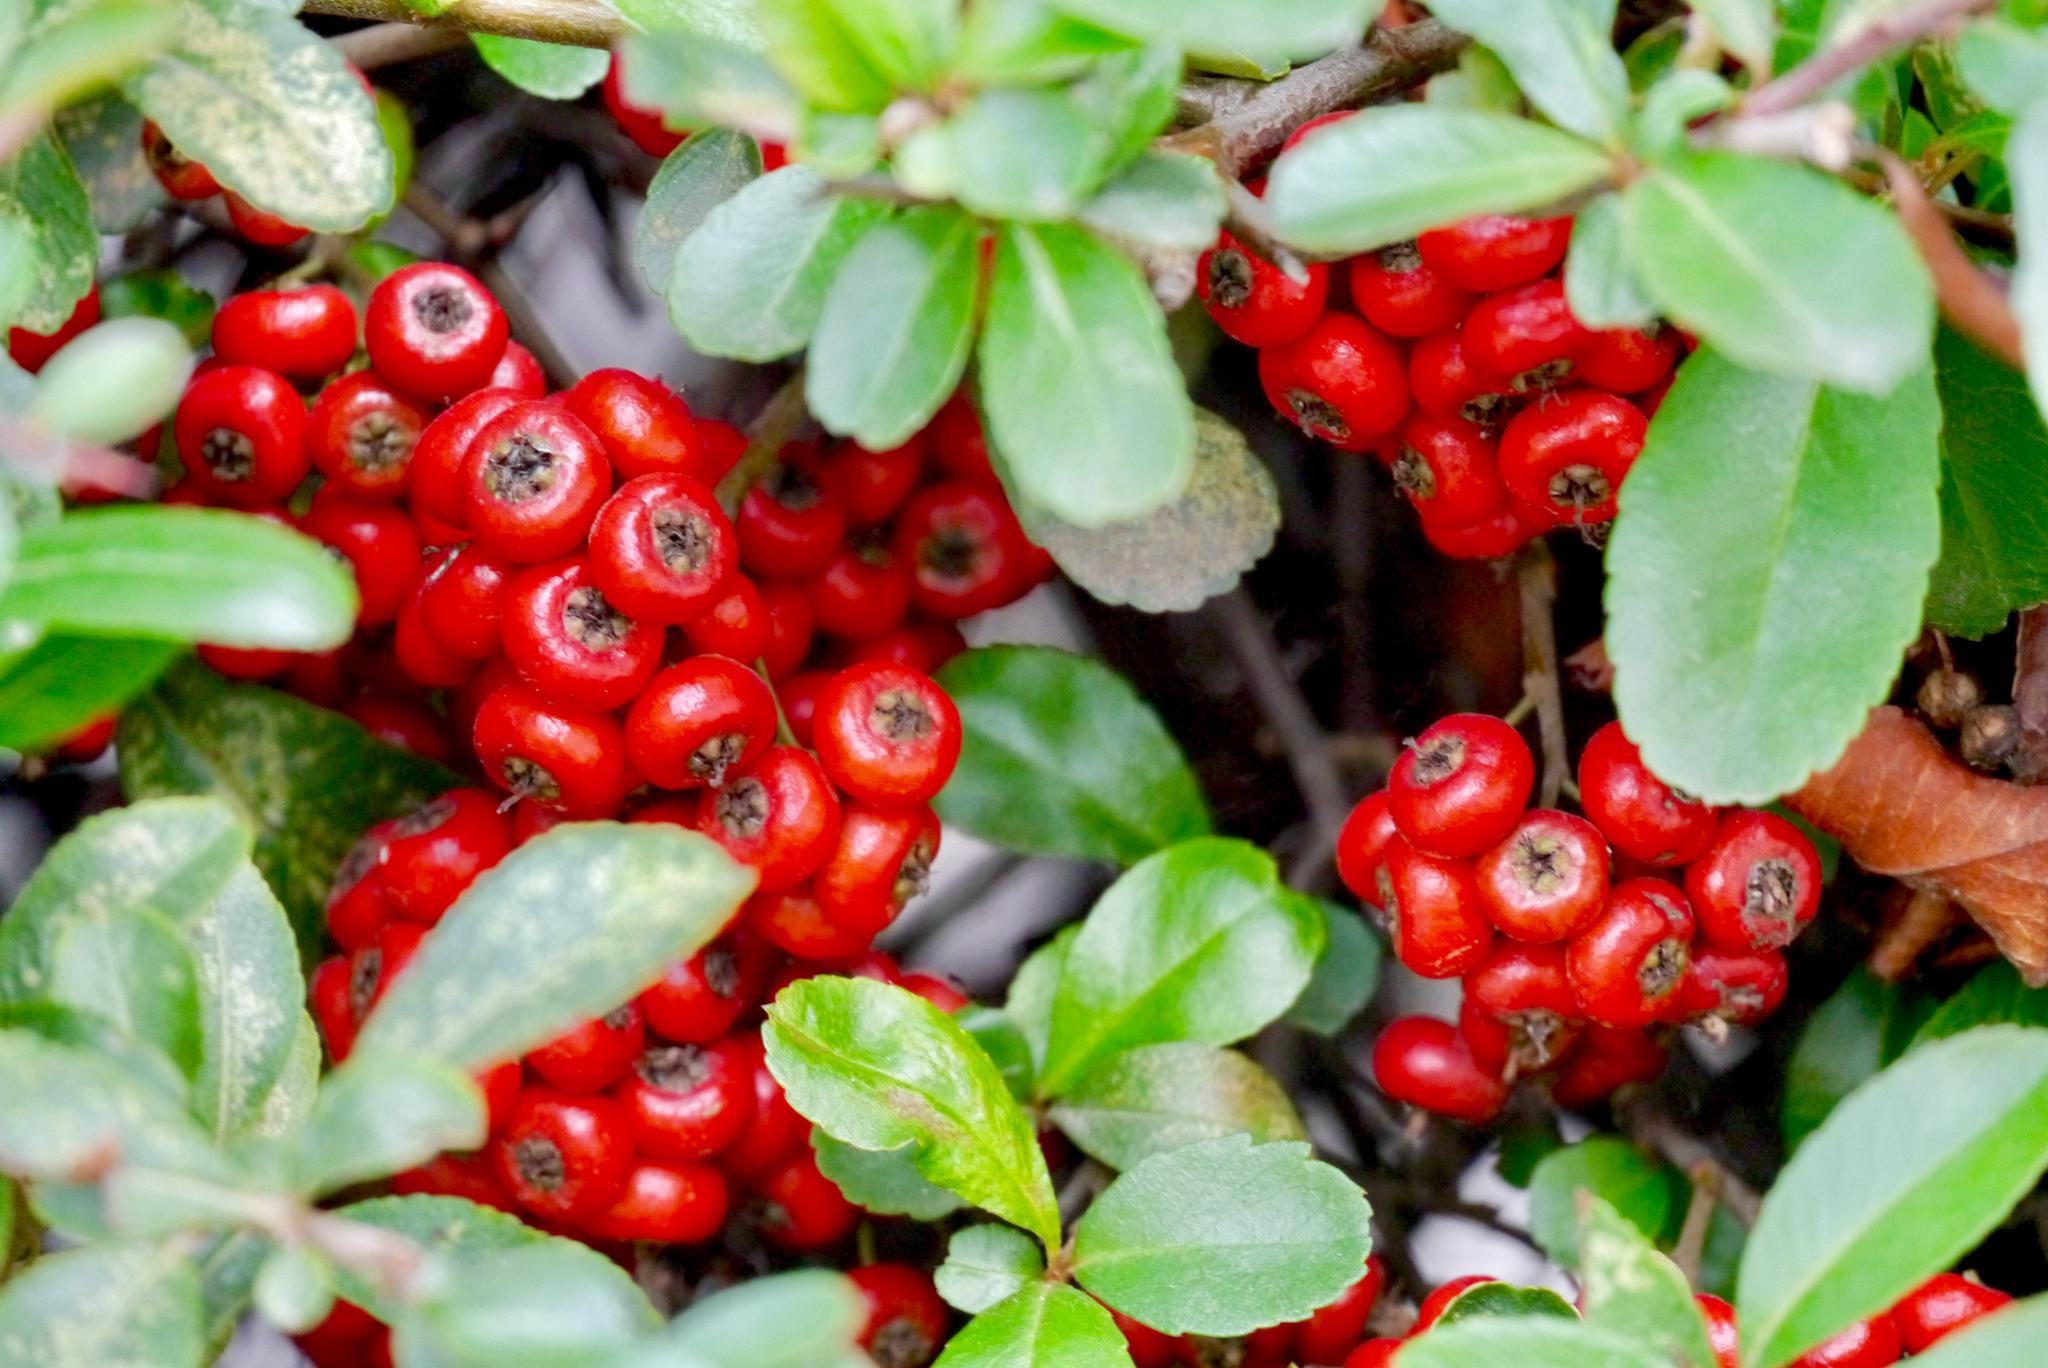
(1926, 918)
(1655, 1131)
(1691, 1247)
(1969, 297)
(577, 23)
(383, 45)
(778, 422)
(1251, 223)
(2029, 764)
(1817, 73)
(1538, 578)
(1302, 738)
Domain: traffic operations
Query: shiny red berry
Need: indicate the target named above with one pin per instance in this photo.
(381, 546)
(1461, 786)
(1607, 1058)
(665, 1204)
(1628, 965)
(1255, 302)
(562, 1157)
(1449, 469)
(592, 1055)
(1527, 337)
(1432, 908)
(361, 433)
(906, 1321)
(568, 759)
(1500, 533)
(434, 475)
(1756, 885)
(1496, 251)
(862, 592)
(870, 485)
(780, 816)
(1723, 1336)
(1628, 361)
(790, 527)
(645, 426)
(1374, 1353)
(1446, 384)
(800, 1209)
(776, 1132)
(735, 624)
(698, 721)
(883, 859)
(959, 445)
(241, 435)
(1524, 990)
(307, 332)
(1564, 459)
(462, 601)
(1338, 1325)
(519, 372)
(434, 853)
(30, 350)
(1341, 382)
(661, 548)
(1872, 1343)
(1738, 990)
(181, 177)
(1402, 295)
(1547, 880)
(1644, 818)
(688, 1101)
(1424, 1062)
(572, 643)
(964, 548)
(1362, 845)
(434, 330)
(532, 480)
(887, 734)
(259, 227)
(1940, 1306)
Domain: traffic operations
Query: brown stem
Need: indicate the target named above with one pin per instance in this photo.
(1654, 1130)
(1926, 918)
(779, 420)
(577, 23)
(1814, 75)
(383, 45)
(1251, 223)
(1302, 738)
(1969, 298)
(2030, 697)
(1691, 1248)
(1538, 575)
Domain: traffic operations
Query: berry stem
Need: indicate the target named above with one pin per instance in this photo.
(578, 23)
(1691, 1247)
(1927, 917)
(1969, 298)
(1538, 578)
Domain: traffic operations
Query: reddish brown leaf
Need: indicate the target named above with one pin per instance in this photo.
(1901, 805)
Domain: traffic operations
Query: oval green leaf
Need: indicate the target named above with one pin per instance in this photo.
(63, 682)
(885, 1182)
(105, 1304)
(710, 167)
(1159, 1097)
(1644, 1191)
(40, 193)
(1346, 976)
(1628, 1287)
(1996, 995)
(552, 71)
(381, 1113)
(113, 380)
(132, 970)
(1528, 1342)
(1561, 53)
(806, 1319)
(1046, 1325)
(1599, 280)
(987, 1264)
(1994, 484)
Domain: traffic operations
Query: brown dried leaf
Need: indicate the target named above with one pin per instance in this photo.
(1902, 806)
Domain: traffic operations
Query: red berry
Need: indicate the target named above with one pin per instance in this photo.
(181, 177)
(777, 1130)
(661, 548)
(883, 860)
(734, 625)
(258, 227)
(308, 332)
(1606, 1058)
(434, 475)
(518, 372)
(1872, 1343)
(1446, 384)
(789, 526)
(1432, 908)
(645, 426)
(1335, 1327)
(469, 1176)
(1628, 361)
(241, 435)
(1425, 1063)
(1547, 880)
(920, 646)
(533, 479)
(1449, 469)
(787, 609)
(1341, 382)
(1524, 990)
(870, 485)
(361, 434)
(698, 720)
(1564, 459)
(1645, 818)
(721, 445)
(593, 1055)
(698, 1000)
(964, 548)
(564, 1158)
(1460, 788)
(1496, 251)
(1362, 845)
(1294, 139)
(30, 350)
(800, 1208)
(940, 990)
(1402, 295)
(571, 643)
(567, 759)
(688, 1101)
(780, 816)
(862, 592)
(1527, 337)
(1627, 966)
(421, 655)
(1254, 301)
(1740, 990)
(1943, 1304)
(796, 923)
(1148, 1347)
(906, 1321)
(1374, 1353)
(887, 734)
(665, 1204)
(500, 1085)
(462, 601)
(1500, 533)
(372, 969)
(1722, 1334)
(402, 723)
(432, 855)
(251, 663)
(434, 330)
(381, 546)
(1756, 885)
(330, 1000)
(959, 446)
(1436, 1303)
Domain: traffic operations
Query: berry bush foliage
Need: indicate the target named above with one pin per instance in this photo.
(513, 826)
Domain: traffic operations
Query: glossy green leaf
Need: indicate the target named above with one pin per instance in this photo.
(104, 1306)
(1644, 1191)
(63, 682)
(1398, 170)
(1108, 782)
(885, 1182)
(1045, 1325)
(1033, 988)
(307, 781)
(103, 136)
(1528, 1342)
(1200, 942)
(1163, 201)
(1782, 268)
(1910, 1171)
(379, 1114)
(1994, 493)
(1222, 1237)
(541, 1303)
(552, 71)
(1505, 1300)
(1802, 590)
(893, 337)
(1561, 53)
(2027, 161)
(1863, 1026)
(2009, 1338)
(113, 380)
(1084, 403)
(273, 111)
(132, 970)
(495, 978)
(985, 1265)
(1346, 975)
(750, 282)
(1994, 996)
(1159, 1097)
(1291, 28)
(1177, 557)
(1005, 1043)
(806, 1319)
(709, 168)
(71, 49)
(159, 294)
(1599, 279)
(1628, 1287)
(880, 1068)
(41, 193)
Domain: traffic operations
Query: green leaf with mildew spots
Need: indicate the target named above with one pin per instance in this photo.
(40, 192)
(125, 1305)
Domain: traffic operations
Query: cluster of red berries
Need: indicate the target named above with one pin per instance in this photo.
(1326, 1339)
(1460, 365)
(1576, 937)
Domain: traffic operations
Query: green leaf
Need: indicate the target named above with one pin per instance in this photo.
(2009, 1338)
(1599, 279)
(41, 193)
(709, 168)
(1223, 1237)
(1801, 591)
(1083, 400)
(132, 970)
(104, 1306)
(1995, 995)
(103, 136)
(1747, 28)
(1398, 170)
(496, 979)
(1178, 556)
(273, 111)
(143, 1061)
(293, 1289)
(1005, 1043)
(71, 49)
(63, 682)
(1046, 1325)
(1025, 42)
(2027, 161)
(885, 1182)
(1863, 1026)
(1200, 942)
(550, 70)
(247, 961)
(750, 282)
(881, 1068)
(1346, 976)
(985, 1265)
(1670, 109)
(2003, 62)
(113, 381)
(1505, 1300)
(227, 1278)
(1159, 1097)
(1630, 1288)
(700, 78)
(893, 337)
(852, 54)
(159, 294)
(380, 1114)
(288, 1104)
(1108, 782)
(1782, 268)
(1642, 1190)
(1527, 1342)
(806, 1319)
(1214, 28)
(181, 574)
(1033, 988)
(1561, 53)
(1163, 201)
(541, 1303)
(305, 780)
(70, 1108)
(1994, 493)
(1910, 1171)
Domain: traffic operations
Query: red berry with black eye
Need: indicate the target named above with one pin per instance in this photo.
(963, 546)
(462, 601)
(666, 1204)
(1756, 885)
(252, 663)
(381, 546)
(567, 759)
(959, 446)
(330, 1000)
(518, 372)
(1872, 1343)
(570, 642)
(735, 624)
(180, 176)
(698, 1000)
(1628, 965)
(1564, 459)
(1496, 251)
(258, 227)
(1255, 302)
(307, 332)
(1607, 1058)
(1432, 909)
(241, 436)
(1527, 337)
(372, 969)
(562, 1157)
(777, 1129)
(688, 1101)
(800, 1209)
(1449, 469)
(1738, 990)
(906, 1321)
(1340, 382)
(920, 646)
(1500, 533)
(1628, 360)
(1446, 384)
(434, 854)
(1487, 1037)
(593, 1055)
(698, 721)
(1644, 818)
(1338, 1325)
(645, 426)
(787, 610)
(1723, 1335)
(789, 526)
(870, 485)
(1402, 295)
(883, 860)
(532, 481)
(887, 734)
(661, 548)
(780, 816)
(434, 475)
(862, 592)
(1940, 1306)
(361, 433)
(1362, 845)
(1425, 1063)
(1524, 988)
(1548, 879)
(434, 331)
(1461, 787)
